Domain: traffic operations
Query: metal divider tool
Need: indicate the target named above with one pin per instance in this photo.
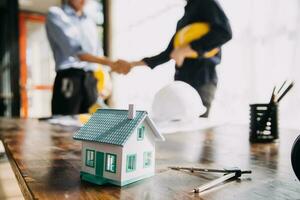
(230, 173)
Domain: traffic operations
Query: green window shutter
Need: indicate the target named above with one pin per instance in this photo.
(147, 159)
(111, 163)
(131, 163)
(141, 133)
(90, 158)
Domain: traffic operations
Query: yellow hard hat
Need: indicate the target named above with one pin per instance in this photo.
(193, 32)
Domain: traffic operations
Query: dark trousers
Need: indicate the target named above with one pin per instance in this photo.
(74, 92)
(202, 76)
(207, 94)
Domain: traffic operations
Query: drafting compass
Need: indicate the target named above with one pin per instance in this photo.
(229, 174)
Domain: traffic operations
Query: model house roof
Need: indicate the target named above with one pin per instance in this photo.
(113, 127)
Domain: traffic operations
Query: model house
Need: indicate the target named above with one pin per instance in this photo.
(118, 146)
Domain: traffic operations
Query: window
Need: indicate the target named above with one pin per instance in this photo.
(131, 163)
(141, 132)
(147, 159)
(90, 158)
(111, 163)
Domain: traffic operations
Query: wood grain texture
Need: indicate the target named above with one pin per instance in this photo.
(46, 161)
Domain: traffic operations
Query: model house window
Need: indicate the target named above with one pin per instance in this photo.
(90, 158)
(131, 163)
(111, 163)
(147, 159)
(141, 133)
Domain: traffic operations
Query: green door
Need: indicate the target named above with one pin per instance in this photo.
(99, 163)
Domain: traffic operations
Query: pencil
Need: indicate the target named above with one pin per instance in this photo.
(285, 91)
(272, 100)
(281, 86)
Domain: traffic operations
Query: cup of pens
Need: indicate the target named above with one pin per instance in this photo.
(264, 117)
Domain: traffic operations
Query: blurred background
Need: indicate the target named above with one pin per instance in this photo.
(263, 53)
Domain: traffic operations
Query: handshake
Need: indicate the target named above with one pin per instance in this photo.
(123, 67)
(178, 55)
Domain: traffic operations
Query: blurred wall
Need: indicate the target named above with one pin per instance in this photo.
(263, 53)
(38, 5)
(40, 70)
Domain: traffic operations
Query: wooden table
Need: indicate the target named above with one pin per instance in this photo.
(46, 161)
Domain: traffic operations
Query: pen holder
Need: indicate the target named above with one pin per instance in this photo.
(263, 122)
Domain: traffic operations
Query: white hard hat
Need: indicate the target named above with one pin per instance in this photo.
(177, 101)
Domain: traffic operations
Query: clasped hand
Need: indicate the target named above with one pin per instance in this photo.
(121, 66)
(179, 54)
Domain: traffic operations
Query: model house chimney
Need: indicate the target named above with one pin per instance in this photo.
(131, 111)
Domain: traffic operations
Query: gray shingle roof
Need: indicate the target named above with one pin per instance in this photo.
(109, 126)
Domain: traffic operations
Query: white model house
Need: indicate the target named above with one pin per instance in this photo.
(118, 146)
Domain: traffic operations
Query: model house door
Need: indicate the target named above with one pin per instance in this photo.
(99, 163)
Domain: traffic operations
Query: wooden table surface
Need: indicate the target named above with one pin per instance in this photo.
(46, 161)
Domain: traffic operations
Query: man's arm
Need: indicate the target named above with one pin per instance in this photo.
(95, 59)
(62, 36)
(158, 59)
(124, 67)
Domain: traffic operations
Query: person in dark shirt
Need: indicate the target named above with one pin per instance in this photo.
(199, 71)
